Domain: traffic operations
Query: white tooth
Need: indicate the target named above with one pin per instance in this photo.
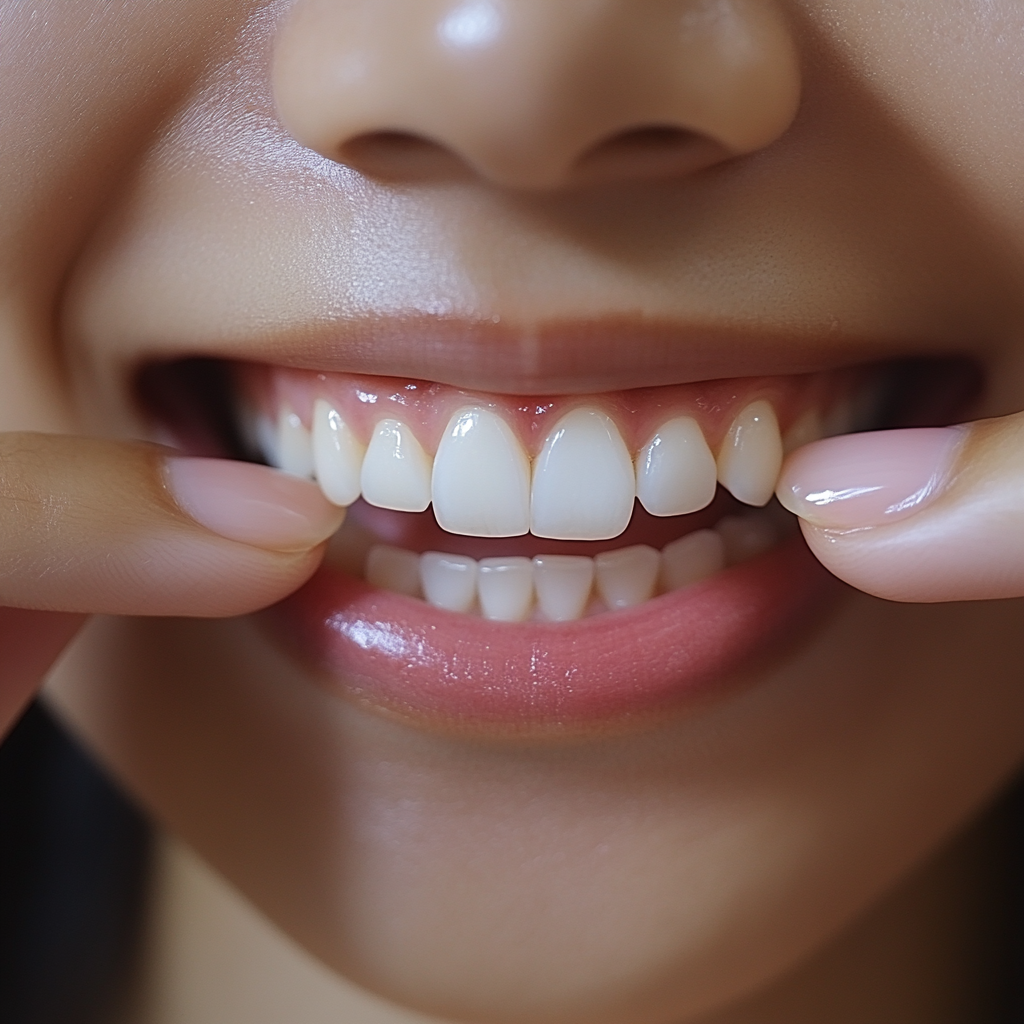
(746, 536)
(675, 471)
(337, 455)
(294, 445)
(806, 429)
(751, 457)
(627, 576)
(691, 559)
(394, 569)
(583, 481)
(481, 480)
(396, 469)
(448, 581)
(563, 584)
(505, 588)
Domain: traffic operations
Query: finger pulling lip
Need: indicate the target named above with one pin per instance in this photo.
(445, 670)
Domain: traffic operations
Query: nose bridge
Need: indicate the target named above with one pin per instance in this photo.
(536, 93)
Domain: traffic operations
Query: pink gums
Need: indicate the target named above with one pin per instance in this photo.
(406, 657)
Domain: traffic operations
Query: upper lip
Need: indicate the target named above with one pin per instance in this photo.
(570, 356)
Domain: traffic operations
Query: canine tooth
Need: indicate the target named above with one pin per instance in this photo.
(746, 536)
(627, 576)
(675, 471)
(563, 584)
(448, 581)
(481, 480)
(396, 469)
(806, 429)
(691, 559)
(394, 569)
(505, 588)
(583, 481)
(294, 445)
(751, 457)
(337, 455)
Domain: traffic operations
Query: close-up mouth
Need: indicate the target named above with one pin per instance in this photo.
(499, 549)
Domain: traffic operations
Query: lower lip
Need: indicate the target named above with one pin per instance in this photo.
(439, 669)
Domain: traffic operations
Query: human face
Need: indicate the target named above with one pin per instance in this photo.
(644, 814)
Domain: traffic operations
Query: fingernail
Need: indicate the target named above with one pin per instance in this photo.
(861, 480)
(252, 504)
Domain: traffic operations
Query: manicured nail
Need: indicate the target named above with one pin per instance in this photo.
(861, 480)
(252, 504)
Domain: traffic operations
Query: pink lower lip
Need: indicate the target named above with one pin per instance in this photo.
(438, 668)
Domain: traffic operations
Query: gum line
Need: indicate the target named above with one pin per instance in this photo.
(580, 484)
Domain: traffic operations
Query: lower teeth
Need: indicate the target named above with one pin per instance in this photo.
(557, 588)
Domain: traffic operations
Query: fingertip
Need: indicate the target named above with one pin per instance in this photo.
(252, 504)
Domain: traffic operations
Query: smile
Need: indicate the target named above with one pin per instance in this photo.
(546, 562)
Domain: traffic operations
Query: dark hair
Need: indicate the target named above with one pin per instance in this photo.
(73, 859)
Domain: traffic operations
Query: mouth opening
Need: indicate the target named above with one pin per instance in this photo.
(535, 544)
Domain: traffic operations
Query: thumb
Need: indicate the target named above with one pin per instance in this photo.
(131, 529)
(916, 515)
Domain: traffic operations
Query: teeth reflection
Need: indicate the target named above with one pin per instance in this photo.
(675, 471)
(751, 456)
(563, 584)
(337, 455)
(627, 576)
(505, 588)
(448, 581)
(396, 469)
(394, 569)
(691, 559)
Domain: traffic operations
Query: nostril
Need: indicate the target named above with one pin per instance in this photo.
(400, 156)
(652, 151)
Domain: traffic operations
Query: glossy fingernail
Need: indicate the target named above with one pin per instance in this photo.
(862, 480)
(252, 504)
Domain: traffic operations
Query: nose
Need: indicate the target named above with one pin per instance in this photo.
(535, 94)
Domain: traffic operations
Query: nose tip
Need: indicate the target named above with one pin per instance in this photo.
(535, 94)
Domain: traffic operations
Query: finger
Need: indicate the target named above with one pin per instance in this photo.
(124, 528)
(31, 642)
(916, 515)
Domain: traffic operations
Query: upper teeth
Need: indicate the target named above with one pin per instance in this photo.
(581, 486)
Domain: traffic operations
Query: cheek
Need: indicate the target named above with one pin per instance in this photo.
(950, 73)
(632, 878)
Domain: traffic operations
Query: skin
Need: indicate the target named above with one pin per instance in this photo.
(171, 187)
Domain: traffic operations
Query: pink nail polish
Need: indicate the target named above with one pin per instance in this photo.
(252, 504)
(860, 480)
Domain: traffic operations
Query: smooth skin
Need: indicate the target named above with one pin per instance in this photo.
(840, 182)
